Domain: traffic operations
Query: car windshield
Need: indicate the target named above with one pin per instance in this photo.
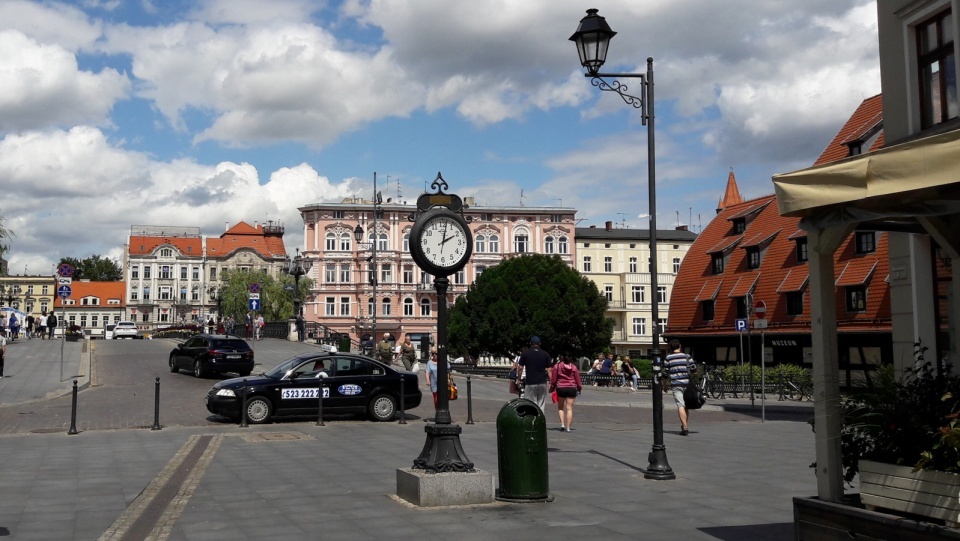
(236, 345)
(278, 371)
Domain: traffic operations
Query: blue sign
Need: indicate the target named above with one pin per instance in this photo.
(254, 288)
(254, 304)
(63, 292)
(742, 325)
(348, 390)
(65, 270)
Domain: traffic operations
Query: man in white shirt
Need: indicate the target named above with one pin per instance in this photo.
(3, 353)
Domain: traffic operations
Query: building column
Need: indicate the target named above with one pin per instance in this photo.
(946, 233)
(911, 297)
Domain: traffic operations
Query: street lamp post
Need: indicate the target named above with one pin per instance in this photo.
(297, 269)
(593, 39)
(372, 260)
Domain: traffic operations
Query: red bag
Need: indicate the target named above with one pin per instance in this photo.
(553, 397)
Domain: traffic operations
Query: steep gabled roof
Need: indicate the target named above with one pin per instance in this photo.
(863, 124)
(731, 195)
(246, 236)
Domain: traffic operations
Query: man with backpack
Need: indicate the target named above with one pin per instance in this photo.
(678, 365)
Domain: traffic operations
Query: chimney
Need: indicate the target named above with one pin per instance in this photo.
(609, 226)
(593, 226)
(682, 228)
(226, 226)
(256, 224)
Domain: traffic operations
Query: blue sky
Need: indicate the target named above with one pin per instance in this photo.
(199, 113)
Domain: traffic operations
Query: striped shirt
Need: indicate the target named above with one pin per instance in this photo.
(677, 366)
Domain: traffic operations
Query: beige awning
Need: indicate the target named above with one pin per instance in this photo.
(921, 177)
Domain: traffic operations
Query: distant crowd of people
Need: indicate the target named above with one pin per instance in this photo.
(43, 327)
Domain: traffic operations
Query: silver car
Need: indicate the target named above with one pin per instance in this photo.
(125, 329)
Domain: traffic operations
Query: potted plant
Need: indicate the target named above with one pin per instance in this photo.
(903, 440)
(73, 334)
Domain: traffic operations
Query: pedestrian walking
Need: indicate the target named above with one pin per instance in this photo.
(42, 325)
(30, 322)
(14, 327)
(536, 365)
(678, 366)
(565, 381)
(385, 349)
(51, 324)
(3, 353)
(258, 327)
(301, 328)
(432, 377)
(408, 353)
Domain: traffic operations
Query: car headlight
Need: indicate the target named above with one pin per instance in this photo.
(226, 392)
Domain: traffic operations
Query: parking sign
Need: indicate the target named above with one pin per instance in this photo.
(741, 325)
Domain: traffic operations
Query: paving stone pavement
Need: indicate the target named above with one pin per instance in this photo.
(735, 480)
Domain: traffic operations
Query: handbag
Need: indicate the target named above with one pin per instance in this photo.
(451, 387)
(693, 398)
(416, 367)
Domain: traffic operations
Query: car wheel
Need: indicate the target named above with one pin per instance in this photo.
(173, 365)
(383, 407)
(198, 370)
(259, 410)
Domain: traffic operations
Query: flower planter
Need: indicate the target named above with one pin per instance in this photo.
(72, 337)
(930, 494)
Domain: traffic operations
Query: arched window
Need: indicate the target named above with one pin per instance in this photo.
(479, 244)
(386, 307)
(562, 247)
(331, 243)
(548, 245)
(521, 243)
(408, 307)
(382, 242)
(372, 306)
(406, 242)
(345, 242)
(494, 244)
(424, 307)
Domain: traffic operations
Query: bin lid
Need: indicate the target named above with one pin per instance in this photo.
(518, 408)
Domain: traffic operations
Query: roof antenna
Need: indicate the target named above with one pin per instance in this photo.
(399, 197)
(623, 220)
(678, 218)
(521, 197)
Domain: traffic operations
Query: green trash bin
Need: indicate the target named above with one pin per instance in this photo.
(344, 343)
(522, 452)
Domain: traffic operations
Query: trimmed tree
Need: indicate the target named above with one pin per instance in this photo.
(531, 295)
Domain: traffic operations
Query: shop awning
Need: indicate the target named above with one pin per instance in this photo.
(917, 178)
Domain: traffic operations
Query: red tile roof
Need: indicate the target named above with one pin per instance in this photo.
(187, 246)
(745, 285)
(104, 291)
(867, 118)
(711, 286)
(725, 245)
(795, 280)
(856, 272)
(245, 236)
(731, 196)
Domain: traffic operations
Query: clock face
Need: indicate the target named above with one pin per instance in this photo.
(441, 242)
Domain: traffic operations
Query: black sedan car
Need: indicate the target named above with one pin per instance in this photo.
(206, 354)
(350, 384)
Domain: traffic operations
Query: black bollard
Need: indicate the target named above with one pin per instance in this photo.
(73, 412)
(320, 405)
(156, 407)
(403, 394)
(243, 405)
(469, 402)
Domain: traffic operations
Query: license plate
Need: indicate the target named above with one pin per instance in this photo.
(233, 356)
(304, 393)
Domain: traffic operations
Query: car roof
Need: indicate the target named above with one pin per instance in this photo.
(126, 323)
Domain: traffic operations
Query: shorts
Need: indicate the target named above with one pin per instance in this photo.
(567, 392)
(678, 397)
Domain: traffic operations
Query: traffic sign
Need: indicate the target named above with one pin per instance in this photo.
(760, 324)
(254, 288)
(64, 280)
(63, 292)
(741, 325)
(65, 269)
(254, 296)
(760, 309)
(254, 304)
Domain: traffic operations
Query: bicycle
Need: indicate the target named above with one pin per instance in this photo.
(714, 383)
(798, 391)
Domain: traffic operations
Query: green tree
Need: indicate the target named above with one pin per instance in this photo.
(94, 268)
(532, 295)
(275, 298)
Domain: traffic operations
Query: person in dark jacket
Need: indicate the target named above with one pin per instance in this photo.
(51, 324)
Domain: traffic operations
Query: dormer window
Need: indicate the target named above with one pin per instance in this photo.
(739, 225)
(717, 263)
(802, 250)
(866, 242)
(753, 257)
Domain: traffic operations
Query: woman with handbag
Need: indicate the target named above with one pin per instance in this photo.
(565, 381)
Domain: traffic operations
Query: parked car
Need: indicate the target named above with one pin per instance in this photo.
(125, 329)
(350, 384)
(206, 354)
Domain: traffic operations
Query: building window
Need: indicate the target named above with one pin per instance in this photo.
(563, 245)
(183, 272)
(938, 78)
(213, 273)
(330, 306)
(338, 215)
(707, 307)
(196, 273)
(676, 265)
(480, 269)
(662, 324)
(146, 293)
(330, 274)
(479, 244)
(607, 264)
(425, 307)
(587, 266)
(134, 294)
(386, 273)
(164, 316)
(739, 225)
(166, 272)
(195, 294)
(134, 273)
(331, 242)
(753, 257)
(345, 273)
(794, 303)
(406, 242)
(639, 326)
(408, 307)
(386, 307)
(344, 306)
(494, 244)
(608, 292)
(382, 242)
(520, 243)
(183, 294)
(607, 245)
(548, 247)
(802, 249)
(638, 293)
(371, 305)
(166, 252)
(146, 272)
(460, 277)
(662, 294)
(741, 307)
(165, 294)
(408, 274)
(716, 261)
(856, 298)
(345, 242)
(632, 265)
(556, 218)
(866, 242)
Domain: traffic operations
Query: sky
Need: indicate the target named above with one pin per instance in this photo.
(203, 113)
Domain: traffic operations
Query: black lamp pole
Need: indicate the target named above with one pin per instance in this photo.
(297, 269)
(372, 266)
(593, 39)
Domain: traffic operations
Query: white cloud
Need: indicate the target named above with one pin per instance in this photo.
(41, 85)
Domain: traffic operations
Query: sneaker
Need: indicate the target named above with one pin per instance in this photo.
(562, 428)
(684, 431)
(569, 430)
